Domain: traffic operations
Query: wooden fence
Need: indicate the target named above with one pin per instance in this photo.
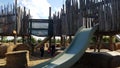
(87, 13)
(12, 17)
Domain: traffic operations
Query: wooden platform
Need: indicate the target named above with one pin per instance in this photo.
(107, 59)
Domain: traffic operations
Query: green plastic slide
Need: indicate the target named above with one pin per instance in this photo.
(73, 53)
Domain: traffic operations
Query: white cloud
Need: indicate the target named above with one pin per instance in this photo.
(57, 9)
(38, 8)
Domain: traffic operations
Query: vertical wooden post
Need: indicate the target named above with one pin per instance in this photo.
(95, 42)
(15, 39)
(32, 45)
(64, 37)
(99, 43)
(111, 42)
(50, 42)
(49, 12)
(61, 40)
(54, 40)
(30, 30)
(16, 14)
(23, 39)
(70, 38)
(50, 22)
(15, 36)
(1, 39)
(15, 31)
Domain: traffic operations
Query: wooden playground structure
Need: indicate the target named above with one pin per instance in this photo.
(74, 14)
(87, 13)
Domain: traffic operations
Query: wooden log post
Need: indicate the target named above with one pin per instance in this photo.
(70, 38)
(15, 39)
(112, 43)
(15, 36)
(61, 40)
(54, 40)
(23, 39)
(99, 43)
(50, 42)
(64, 41)
(95, 42)
(17, 59)
(1, 39)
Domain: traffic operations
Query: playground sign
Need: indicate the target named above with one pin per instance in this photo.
(40, 27)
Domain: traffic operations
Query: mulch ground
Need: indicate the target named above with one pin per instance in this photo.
(34, 59)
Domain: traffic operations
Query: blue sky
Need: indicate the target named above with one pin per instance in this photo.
(38, 8)
(6, 1)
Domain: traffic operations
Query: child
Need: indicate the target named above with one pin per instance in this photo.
(53, 50)
(42, 51)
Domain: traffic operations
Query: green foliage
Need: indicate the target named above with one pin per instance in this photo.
(93, 40)
(106, 39)
(19, 40)
(116, 40)
(11, 40)
(39, 40)
(52, 40)
(69, 40)
(57, 40)
(33, 40)
(4, 39)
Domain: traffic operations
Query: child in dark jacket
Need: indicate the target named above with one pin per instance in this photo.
(53, 50)
(42, 51)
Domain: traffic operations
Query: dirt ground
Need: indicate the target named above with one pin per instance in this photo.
(33, 60)
(36, 59)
